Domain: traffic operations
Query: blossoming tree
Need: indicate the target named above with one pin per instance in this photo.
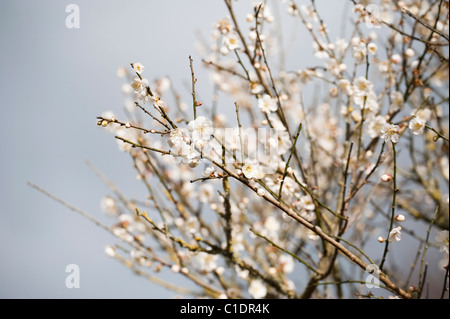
(284, 198)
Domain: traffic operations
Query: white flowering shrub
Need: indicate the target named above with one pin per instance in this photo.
(326, 182)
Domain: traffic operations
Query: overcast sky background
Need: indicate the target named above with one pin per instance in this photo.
(54, 82)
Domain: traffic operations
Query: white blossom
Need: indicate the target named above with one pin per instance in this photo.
(231, 41)
(267, 104)
(138, 67)
(363, 86)
(207, 262)
(257, 289)
(282, 142)
(287, 263)
(417, 125)
(261, 192)
(372, 48)
(201, 128)
(442, 241)
(360, 52)
(177, 137)
(109, 206)
(307, 202)
(251, 170)
(395, 234)
(206, 193)
(389, 132)
(139, 84)
(397, 100)
(110, 251)
(374, 125)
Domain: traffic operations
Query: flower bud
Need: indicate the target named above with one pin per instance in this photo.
(372, 48)
(396, 59)
(334, 92)
(400, 218)
(175, 268)
(185, 270)
(381, 239)
(409, 53)
(110, 251)
(261, 192)
(386, 177)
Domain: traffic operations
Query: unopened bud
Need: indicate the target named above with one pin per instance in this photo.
(396, 59)
(409, 53)
(193, 163)
(261, 192)
(400, 218)
(127, 125)
(175, 268)
(386, 177)
(185, 270)
(334, 92)
(381, 239)
(110, 251)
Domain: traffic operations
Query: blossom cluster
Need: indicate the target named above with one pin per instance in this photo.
(292, 182)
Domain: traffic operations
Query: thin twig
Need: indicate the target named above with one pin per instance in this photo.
(144, 147)
(426, 25)
(284, 250)
(293, 149)
(194, 80)
(394, 199)
(421, 272)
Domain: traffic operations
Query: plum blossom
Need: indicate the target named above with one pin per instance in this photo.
(417, 125)
(207, 262)
(206, 193)
(257, 289)
(267, 104)
(374, 126)
(201, 128)
(138, 67)
(252, 170)
(231, 41)
(360, 52)
(139, 84)
(389, 132)
(395, 234)
(109, 206)
(442, 241)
